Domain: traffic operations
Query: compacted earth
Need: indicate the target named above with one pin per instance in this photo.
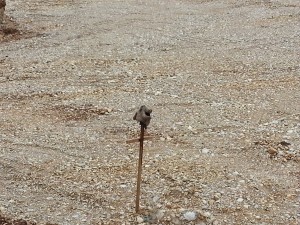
(221, 76)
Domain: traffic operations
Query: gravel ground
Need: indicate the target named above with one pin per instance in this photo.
(222, 78)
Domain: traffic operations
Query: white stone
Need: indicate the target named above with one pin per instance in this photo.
(240, 200)
(246, 206)
(139, 219)
(217, 196)
(235, 173)
(205, 150)
(162, 138)
(190, 216)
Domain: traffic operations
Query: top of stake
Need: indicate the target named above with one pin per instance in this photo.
(143, 116)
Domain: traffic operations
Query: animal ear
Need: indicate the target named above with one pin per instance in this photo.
(142, 108)
(134, 117)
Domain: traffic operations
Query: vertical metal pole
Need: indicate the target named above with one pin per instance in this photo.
(138, 191)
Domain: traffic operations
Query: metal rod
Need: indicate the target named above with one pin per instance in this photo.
(138, 139)
(138, 190)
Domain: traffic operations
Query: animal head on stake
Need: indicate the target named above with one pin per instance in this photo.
(143, 116)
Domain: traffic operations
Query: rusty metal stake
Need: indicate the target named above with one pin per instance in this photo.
(139, 176)
(143, 117)
(141, 139)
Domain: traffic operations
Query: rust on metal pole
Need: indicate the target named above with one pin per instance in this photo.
(143, 117)
(140, 163)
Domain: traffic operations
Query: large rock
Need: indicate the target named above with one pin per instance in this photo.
(2, 9)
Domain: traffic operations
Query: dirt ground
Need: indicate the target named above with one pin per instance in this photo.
(222, 78)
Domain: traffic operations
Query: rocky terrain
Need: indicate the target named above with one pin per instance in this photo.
(222, 78)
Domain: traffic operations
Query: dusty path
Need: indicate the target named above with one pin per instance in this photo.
(221, 76)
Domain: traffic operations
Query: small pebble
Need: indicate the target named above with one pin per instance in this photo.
(246, 206)
(240, 200)
(139, 219)
(205, 150)
(235, 173)
(190, 216)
